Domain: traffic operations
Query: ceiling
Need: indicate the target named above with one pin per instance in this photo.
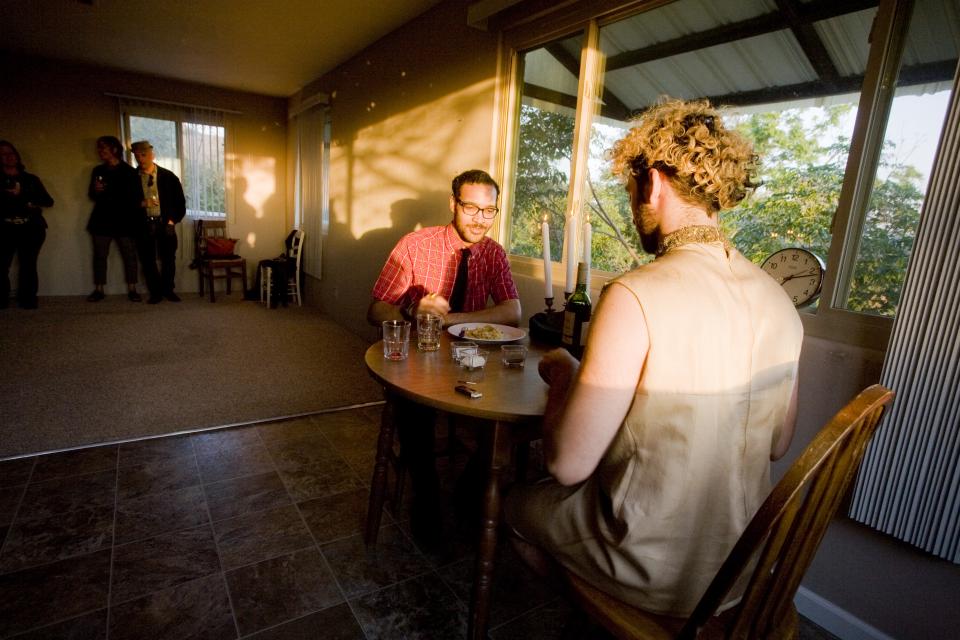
(271, 48)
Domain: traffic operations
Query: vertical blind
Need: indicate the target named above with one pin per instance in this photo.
(909, 482)
(310, 171)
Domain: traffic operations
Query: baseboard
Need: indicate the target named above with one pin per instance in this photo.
(837, 621)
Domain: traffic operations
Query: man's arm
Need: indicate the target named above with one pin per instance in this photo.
(173, 197)
(507, 312)
(379, 311)
(588, 406)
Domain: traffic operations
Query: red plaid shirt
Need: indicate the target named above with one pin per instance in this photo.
(426, 261)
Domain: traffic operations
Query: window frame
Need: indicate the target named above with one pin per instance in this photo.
(827, 320)
(179, 119)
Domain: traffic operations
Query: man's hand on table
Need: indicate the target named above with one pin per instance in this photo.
(432, 303)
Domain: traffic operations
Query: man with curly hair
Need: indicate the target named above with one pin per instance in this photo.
(660, 440)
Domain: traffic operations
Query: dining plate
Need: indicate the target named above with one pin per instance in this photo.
(507, 334)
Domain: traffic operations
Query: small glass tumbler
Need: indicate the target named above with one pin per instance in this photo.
(472, 365)
(428, 331)
(396, 339)
(460, 349)
(513, 356)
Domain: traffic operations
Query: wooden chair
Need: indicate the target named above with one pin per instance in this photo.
(210, 268)
(283, 265)
(782, 538)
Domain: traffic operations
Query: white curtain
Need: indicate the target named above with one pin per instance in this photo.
(311, 180)
(909, 483)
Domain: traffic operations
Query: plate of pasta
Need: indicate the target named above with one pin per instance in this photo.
(486, 332)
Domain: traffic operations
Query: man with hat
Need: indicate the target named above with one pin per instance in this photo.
(164, 205)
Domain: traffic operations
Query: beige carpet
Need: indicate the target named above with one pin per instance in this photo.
(76, 373)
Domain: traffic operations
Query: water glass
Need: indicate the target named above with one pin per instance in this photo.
(396, 339)
(460, 349)
(513, 356)
(428, 331)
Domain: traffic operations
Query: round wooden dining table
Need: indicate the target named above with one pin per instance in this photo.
(510, 410)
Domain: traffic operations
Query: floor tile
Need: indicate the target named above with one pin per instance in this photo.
(155, 513)
(43, 540)
(361, 569)
(258, 536)
(9, 501)
(44, 499)
(339, 515)
(233, 462)
(72, 463)
(155, 449)
(281, 589)
(289, 429)
(161, 475)
(305, 451)
(335, 623)
(213, 442)
(516, 589)
(308, 481)
(90, 626)
(555, 620)
(197, 609)
(16, 472)
(231, 498)
(56, 591)
(423, 607)
(153, 564)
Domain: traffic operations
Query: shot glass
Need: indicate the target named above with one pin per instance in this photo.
(396, 339)
(460, 349)
(472, 365)
(428, 331)
(513, 356)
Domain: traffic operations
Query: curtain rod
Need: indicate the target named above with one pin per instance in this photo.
(175, 104)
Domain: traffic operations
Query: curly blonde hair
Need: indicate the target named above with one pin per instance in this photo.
(707, 164)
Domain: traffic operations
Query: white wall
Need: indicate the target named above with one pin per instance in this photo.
(54, 112)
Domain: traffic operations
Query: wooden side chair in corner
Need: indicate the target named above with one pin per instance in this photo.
(782, 538)
(283, 271)
(214, 257)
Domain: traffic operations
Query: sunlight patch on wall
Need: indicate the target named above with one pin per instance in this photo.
(256, 182)
(409, 158)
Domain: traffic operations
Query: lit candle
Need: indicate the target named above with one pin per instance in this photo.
(571, 282)
(547, 270)
(587, 242)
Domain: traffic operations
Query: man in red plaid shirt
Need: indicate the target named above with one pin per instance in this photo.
(451, 271)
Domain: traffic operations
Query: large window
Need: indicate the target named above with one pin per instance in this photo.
(188, 142)
(845, 160)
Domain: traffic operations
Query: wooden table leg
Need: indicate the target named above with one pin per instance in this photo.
(378, 485)
(499, 451)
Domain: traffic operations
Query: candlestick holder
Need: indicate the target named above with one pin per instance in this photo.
(547, 326)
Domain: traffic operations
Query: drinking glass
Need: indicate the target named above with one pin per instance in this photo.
(513, 356)
(428, 331)
(396, 339)
(460, 349)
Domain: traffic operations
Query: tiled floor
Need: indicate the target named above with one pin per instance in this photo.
(251, 532)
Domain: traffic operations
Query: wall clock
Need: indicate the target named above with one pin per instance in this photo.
(799, 272)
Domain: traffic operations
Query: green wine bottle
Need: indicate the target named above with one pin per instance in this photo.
(576, 316)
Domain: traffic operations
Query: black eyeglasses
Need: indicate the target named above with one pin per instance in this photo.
(150, 180)
(471, 209)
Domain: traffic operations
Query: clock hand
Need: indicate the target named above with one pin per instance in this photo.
(798, 275)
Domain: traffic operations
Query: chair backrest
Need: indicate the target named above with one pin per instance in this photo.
(296, 249)
(783, 536)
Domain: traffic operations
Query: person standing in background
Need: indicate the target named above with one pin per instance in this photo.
(22, 227)
(164, 206)
(117, 215)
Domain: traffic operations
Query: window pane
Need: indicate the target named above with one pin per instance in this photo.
(912, 132)
(799, 110)
(203, 177)
(162, 134)
(545, 145)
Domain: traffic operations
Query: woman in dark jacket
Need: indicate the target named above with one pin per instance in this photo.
(22, 227)
(115, 191)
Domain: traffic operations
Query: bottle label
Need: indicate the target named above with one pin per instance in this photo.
(584, 330)
(569, 322)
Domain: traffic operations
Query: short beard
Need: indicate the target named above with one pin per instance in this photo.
(648, 232)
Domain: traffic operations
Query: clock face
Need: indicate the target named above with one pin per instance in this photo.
(798, 271)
